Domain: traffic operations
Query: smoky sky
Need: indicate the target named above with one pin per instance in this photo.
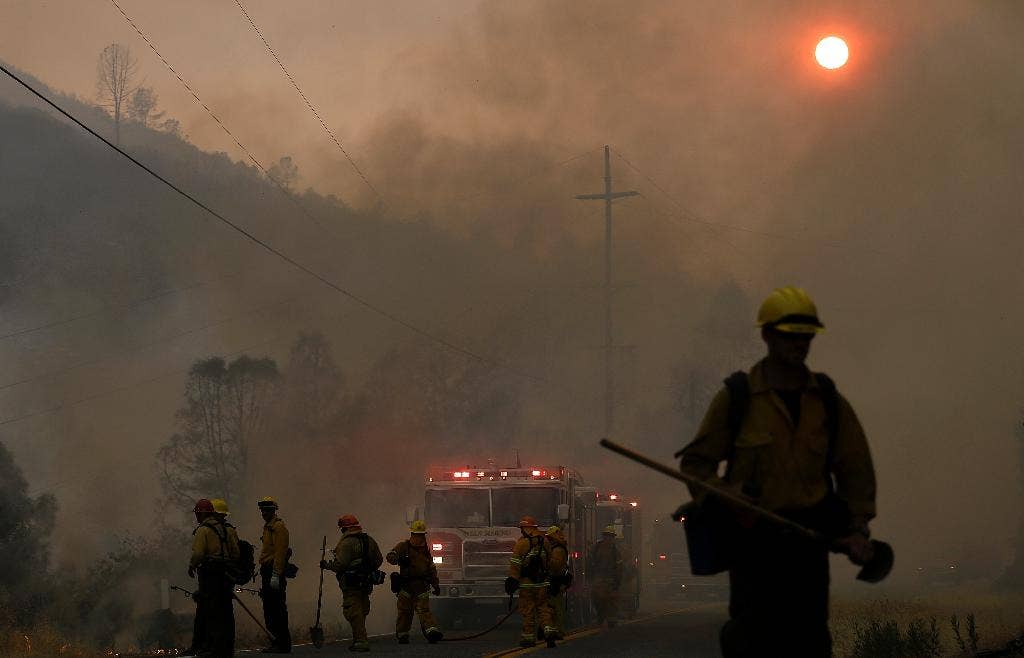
(890, 189)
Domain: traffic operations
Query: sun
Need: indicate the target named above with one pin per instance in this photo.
(831, 52)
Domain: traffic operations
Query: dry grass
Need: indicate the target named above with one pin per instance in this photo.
(1000, 616)
(41, 641)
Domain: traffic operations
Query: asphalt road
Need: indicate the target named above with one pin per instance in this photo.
(689, 631)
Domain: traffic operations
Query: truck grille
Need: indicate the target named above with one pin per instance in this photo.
(486, 559)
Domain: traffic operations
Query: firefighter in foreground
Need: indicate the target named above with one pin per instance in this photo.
(415, 580)
(559, 577)
(356, 559)
(273, 561)
(528, 573)
(605, 573)
(792, 445)
(213, 545)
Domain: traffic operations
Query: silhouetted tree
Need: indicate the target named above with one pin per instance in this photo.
(285, 172)
(25, 527)
(225, 408)
(115, 73)
(142, 106)
(314, 383)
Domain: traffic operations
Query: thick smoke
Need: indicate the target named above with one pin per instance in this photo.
(889, 190)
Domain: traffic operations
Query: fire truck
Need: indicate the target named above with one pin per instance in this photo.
(668, 574)
(624, 514)
(473, 518)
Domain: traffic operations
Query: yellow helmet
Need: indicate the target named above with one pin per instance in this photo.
(553, 530)
(220, 506)
(418, 528)
(791, 310)
(267, 502)
(609, 530)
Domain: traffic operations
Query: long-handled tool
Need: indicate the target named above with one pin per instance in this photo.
(316, 633)
(873, 571)
(273, 640)
(187, 593)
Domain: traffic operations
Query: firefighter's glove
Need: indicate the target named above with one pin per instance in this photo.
(191, 572)
(511, 585)
(857, 547)
(275, 582)
(436, 589)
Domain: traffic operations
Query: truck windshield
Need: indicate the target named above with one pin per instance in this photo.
(513, 503)
(458, 508)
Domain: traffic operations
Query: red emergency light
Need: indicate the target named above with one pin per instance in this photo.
(662, 556)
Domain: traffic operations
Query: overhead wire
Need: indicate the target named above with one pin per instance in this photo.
(109, 307)
(275, 251)
(690, 216)
(323, 124)
(118, 389)
(146, 346)
(331, 134)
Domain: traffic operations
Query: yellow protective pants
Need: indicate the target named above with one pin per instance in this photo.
(355, 606)
(407, 605)
(533, 606)
(606, 599)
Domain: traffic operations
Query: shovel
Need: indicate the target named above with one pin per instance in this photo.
(316, 633)
(874, 571)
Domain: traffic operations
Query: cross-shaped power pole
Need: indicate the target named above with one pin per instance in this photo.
(608, 196)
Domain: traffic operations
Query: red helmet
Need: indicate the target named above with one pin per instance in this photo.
(527, 522)
(204, 505)
(347, 521)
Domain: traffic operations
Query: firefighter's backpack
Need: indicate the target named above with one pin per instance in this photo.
(535, 565)
(243, 569)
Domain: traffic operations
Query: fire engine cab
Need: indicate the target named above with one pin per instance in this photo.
(472, 516)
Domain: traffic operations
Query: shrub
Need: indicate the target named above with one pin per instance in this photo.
(884, 639)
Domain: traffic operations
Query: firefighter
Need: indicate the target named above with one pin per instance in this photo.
(356, 559)
(212, 547)
(416, 579)
(560, 577)
(794, 446)
(273, 561)
(528, 572)
(605, 573)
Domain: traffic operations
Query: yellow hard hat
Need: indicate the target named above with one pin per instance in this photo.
(553, 530)
(791, 310)
(220, 506)
(609, 530)
(267, 502)
(418, 528)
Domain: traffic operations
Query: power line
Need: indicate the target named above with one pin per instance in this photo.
(145, 346)
(216, 118)
(273, 250)
(126, 387)
(690, 216)
(337, 143)
(104, 309)
(312, 109)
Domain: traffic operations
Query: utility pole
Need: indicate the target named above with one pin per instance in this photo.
(608, 196)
